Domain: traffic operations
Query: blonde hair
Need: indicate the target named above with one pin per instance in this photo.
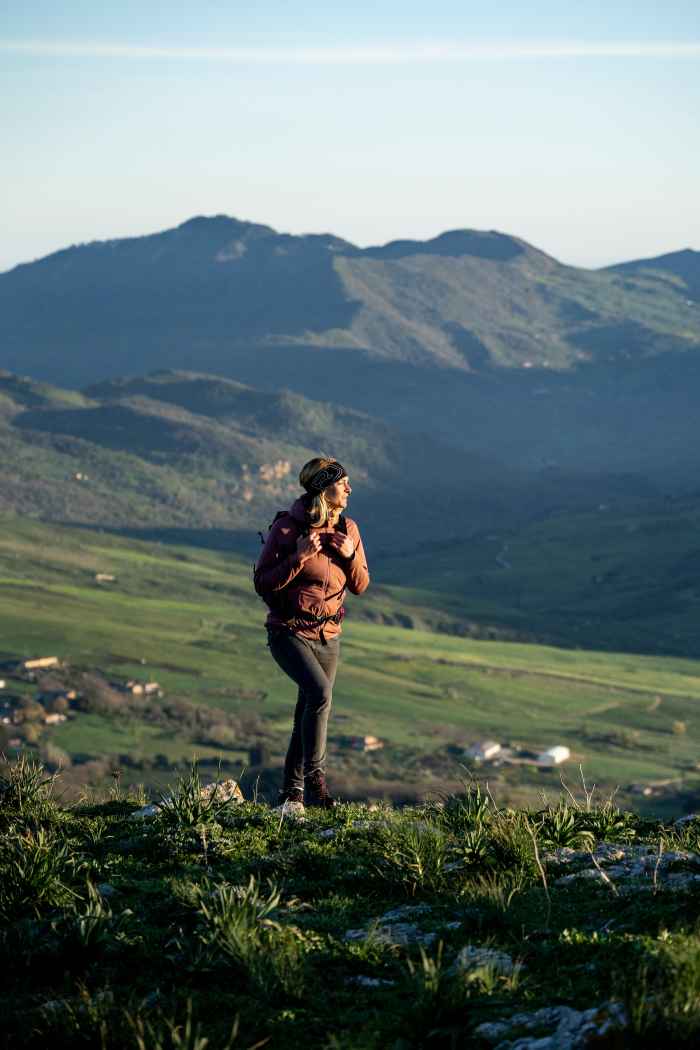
(320, 511)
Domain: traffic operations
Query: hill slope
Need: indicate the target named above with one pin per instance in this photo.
(189, 619)
(195, 451)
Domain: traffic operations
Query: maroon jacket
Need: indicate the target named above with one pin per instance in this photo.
(314, 588)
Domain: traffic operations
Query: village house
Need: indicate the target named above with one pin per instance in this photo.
(554, 756)
(54, 719)
(41, 663)
(366, 743)
(484, 751)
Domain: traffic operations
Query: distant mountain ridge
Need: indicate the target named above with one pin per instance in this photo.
(684, 266)
(214, 293)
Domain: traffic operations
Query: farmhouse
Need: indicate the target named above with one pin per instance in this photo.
(366, 743)
(41, 663)
(483, 751)
(554, 756)
(54, 719)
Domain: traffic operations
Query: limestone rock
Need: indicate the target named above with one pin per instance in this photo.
(569, 1029)
(369, 982)
(473, 958)
(223, 791)
(400, 933)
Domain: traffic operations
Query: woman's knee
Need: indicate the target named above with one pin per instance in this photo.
(319, 698)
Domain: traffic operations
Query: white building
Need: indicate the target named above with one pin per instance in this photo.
(554, 756)
(484, 751)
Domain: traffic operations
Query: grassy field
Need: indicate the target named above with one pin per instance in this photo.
(188, 618)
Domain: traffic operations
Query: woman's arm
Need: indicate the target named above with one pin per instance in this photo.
(277, 565)
(356, 567)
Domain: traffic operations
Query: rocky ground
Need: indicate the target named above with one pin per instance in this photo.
(200, 919)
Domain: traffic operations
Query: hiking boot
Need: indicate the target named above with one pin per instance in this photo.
(290, 795)
(317, 792)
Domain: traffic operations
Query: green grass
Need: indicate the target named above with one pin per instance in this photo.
(224, 925)
(189, 619)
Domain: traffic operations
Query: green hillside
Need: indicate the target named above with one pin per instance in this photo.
(188, 619)
(197, 452)
(614, 577)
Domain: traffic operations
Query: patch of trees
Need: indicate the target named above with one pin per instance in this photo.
(206, 725)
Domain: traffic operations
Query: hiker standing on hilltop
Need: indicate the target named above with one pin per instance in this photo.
(312, 555)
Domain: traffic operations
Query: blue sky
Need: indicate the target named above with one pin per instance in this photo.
(574, 126)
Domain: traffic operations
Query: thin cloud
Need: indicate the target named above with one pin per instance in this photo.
(390, 54)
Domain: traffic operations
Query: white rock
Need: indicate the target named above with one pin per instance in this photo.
(369, 982)
(400, 933)
(571, 1029)
(405, 911)
(106, 889)
(223, 791)
(151, 810)
(292, 810)
(472, 958)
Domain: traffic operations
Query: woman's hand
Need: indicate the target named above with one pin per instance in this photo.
(341, 544)
(308, 546)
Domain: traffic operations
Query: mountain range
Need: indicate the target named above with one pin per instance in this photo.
(475, 338)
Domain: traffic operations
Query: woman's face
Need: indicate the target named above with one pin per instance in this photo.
(338, 494)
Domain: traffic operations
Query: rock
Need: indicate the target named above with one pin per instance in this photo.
(369, 982)
(405, 911)
(473, 958)
(687, 819)
(587, 875)
(570, 1029)
(293, 810)
(327, 833)
(146, 811)
(223, 791)
(106, 890)
(401, 933)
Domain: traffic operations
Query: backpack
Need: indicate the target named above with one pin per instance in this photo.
(276, 600)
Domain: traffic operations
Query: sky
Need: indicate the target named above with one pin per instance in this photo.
(572, 125)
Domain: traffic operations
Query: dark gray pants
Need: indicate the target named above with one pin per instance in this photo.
(312, 666)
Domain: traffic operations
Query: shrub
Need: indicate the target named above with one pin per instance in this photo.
(239, 925)
(187, 806)
(565, 826)
(26, 791)
(413, 856)
(55, 758)
(30, 732)
(36, 869)
(218, 735)
(29, 710)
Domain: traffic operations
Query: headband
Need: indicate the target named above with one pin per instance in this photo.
(324, 477)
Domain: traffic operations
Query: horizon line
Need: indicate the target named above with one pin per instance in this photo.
(437, 51)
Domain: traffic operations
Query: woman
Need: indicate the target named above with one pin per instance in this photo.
(312, 555)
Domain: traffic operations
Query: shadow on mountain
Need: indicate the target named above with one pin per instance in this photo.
(236, 541)
(118, 427)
